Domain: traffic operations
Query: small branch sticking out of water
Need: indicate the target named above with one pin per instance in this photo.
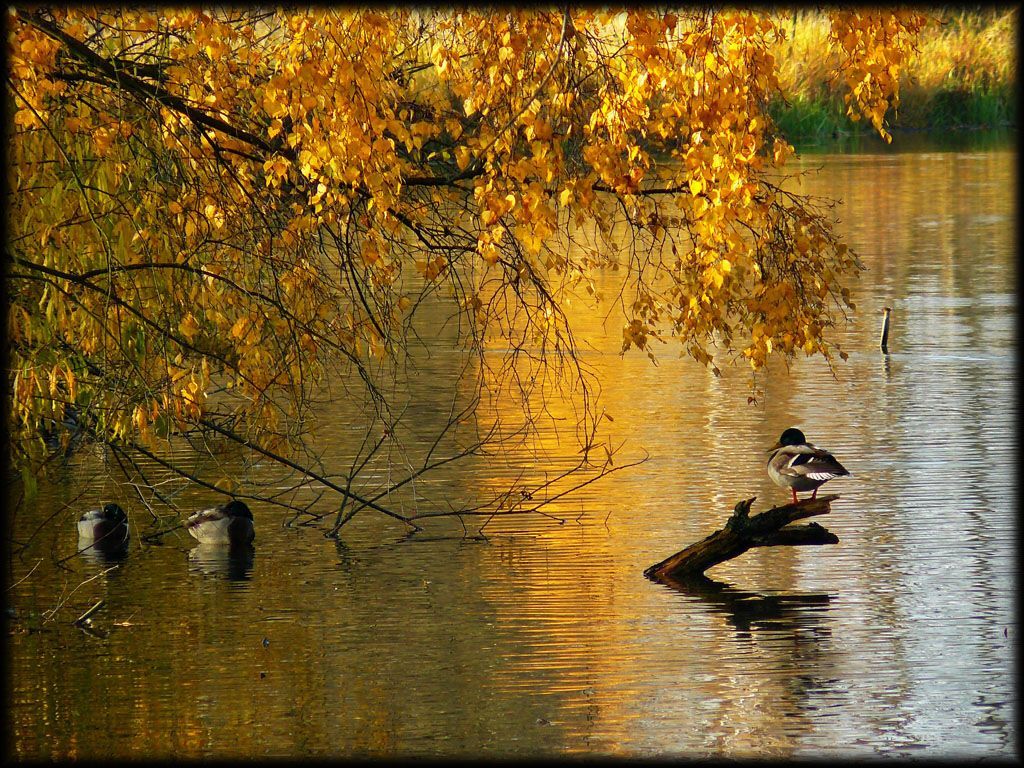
(85, 616)
(884, 343)
(49, 614)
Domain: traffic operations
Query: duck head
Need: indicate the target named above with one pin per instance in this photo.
(791, 436)
(235, 508)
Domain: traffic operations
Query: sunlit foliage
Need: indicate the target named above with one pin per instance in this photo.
(960, 72)
(876, 47)
(212, 210)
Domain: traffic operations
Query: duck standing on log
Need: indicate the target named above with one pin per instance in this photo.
(799, 466)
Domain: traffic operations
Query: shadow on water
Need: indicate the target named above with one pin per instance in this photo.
(233, 563)
(748, 611)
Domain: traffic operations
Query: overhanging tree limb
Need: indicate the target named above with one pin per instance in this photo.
(148, 91)
(232, 140)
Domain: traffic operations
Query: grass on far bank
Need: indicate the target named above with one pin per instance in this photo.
(962, 76)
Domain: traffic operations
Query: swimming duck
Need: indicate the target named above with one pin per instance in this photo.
(799, 466)
(229, 523)
(106, 526)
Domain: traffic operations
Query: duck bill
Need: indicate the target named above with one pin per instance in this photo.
(774, 447)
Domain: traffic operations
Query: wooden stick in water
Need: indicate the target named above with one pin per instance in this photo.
(85, 616)
(885, 329)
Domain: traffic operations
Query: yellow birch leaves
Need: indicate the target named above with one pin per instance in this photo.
(231, 201)
(874, 45)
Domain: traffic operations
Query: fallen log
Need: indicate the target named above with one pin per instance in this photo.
(768, 529)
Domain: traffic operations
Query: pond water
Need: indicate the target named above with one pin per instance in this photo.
(545, 638)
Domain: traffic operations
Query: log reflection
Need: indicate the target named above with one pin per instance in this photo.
(747, 611)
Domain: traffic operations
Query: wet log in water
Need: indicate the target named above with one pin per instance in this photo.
(768, 529)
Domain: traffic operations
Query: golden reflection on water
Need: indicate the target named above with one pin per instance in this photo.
(546, 638)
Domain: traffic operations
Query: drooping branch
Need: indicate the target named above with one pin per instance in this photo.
(240, 440)
(212, 172)
(742, 532)
(145, 90)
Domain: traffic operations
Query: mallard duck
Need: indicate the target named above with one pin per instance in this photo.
(105, 527)
(229, 523)
(799, 466)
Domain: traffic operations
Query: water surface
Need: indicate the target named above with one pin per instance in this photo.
(545, 638)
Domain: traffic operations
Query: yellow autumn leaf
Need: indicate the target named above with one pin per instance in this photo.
(188, 326)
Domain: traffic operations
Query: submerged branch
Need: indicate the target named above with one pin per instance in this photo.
(318, 477)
